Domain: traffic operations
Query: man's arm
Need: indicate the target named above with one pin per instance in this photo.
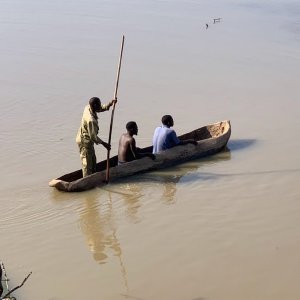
(176, 140)
(108, 105)
(93, 131)
(147, 154)
(137, 154)
(133, 149)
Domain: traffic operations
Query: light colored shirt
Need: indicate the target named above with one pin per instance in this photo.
(164, 138)
(88, 130)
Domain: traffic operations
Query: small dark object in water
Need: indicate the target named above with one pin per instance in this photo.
(217, 20)
(206, 26)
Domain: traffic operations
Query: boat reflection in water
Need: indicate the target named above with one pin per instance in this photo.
(168, 179)
(97, 220)
(97, 214)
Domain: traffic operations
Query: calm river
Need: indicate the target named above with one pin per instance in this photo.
(222, 228)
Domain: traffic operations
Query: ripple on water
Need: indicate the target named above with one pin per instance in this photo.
(28, 209)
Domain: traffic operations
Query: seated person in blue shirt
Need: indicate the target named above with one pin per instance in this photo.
(165, 137)
(127, 147)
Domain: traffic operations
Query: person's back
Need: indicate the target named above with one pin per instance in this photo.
(165, 137)
(127, 146)
(85, 135)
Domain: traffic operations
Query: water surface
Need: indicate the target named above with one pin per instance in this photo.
(224, 227)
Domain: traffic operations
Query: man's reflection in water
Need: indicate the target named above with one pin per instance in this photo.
(100, 231)
(97, 228)
(170, 188)
(187, 172)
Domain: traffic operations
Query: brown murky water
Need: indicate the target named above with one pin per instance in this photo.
(225, 227)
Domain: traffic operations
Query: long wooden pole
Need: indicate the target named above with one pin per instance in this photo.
(113, 109)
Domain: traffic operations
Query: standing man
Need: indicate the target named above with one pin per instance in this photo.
(127, 146)
(87, 134)
(165, 137)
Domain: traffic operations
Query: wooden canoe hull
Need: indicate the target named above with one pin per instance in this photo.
(210, 140)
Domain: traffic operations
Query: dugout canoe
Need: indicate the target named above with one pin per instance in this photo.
(210, 140)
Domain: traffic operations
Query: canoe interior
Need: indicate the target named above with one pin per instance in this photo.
(199, 134)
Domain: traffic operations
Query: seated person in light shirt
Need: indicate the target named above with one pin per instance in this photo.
(165, 137)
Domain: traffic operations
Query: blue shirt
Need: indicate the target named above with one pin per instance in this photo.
(164, 138)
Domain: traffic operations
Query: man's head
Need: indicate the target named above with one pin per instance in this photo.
(132, 128)
(167, 120)
(95, 104)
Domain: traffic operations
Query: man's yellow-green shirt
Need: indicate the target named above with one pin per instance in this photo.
(88, 131)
